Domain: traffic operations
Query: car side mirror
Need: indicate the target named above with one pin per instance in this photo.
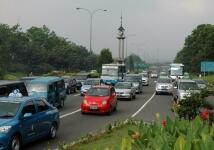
(27, 115)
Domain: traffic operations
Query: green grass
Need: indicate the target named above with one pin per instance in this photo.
(14, 76)
(209, 79)
(111, 140)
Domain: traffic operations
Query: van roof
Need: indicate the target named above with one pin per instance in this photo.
(46, 79)
(6, 82)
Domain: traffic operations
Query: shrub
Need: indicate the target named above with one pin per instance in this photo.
(190, 107)
(178, 134)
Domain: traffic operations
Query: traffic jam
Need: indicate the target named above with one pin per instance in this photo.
(30, 107)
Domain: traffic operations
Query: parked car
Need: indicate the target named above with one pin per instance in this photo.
(88, 84)
(80, 80)
(70, 84)
(136, 79)
(201, 83)
(125, 90)
(99, 99)
(24, 120)
(183, 88)
(164, 85)
(7, 87)
(51, 88)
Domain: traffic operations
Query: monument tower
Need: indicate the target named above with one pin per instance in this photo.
(121, 37)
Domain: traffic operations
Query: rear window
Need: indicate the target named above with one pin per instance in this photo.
(163, 80)
(98, 92)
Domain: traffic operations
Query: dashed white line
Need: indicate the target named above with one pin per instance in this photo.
(68, 114)
(142, 107)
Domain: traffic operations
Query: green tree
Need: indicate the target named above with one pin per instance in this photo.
(199, 46)
(105, 57)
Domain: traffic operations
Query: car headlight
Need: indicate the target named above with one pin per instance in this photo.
(85, 102)
(104, 102)
(4, 129)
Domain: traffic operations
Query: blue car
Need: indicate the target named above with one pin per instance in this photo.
(26, 119)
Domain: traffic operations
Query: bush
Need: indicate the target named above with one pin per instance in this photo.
(178, 134)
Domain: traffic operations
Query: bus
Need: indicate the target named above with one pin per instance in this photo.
(113, 73)
(176, 70)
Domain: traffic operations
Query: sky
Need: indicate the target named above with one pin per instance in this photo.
(155, 29)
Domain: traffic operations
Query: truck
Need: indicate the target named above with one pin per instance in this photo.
(113, 73)
(176, 70)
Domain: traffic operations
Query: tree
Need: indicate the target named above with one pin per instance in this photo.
(199, 46)
(105, 57)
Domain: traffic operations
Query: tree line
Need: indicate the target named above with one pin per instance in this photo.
(198, 46)
(40, 50)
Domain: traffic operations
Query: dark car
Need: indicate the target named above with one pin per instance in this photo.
(70, 85)
(7, 87)
(80, 80)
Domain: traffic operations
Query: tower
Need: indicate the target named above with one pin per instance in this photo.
(121, 37)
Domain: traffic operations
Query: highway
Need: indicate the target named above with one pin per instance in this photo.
(74, 124)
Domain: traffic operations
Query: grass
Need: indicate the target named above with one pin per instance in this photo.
(209, 79)
(13, 76)
(111, 140)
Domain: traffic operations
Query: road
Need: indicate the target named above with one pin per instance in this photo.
(74, 124)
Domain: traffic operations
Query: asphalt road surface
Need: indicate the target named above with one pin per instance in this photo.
(74, 124)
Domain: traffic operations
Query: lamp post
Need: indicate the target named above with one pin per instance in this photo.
(129, 35)
(91, 13)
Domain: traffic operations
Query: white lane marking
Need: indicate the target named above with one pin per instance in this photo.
(68, 114)
(142, 107)
(77, 95)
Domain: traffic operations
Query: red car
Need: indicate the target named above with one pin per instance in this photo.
(99, 99)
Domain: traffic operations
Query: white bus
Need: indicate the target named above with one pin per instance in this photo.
(112, 73)
(176, 70)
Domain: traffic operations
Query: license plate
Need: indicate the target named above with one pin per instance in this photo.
(93, 107)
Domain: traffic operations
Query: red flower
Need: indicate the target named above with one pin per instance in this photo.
(205, 114)
(164, 123)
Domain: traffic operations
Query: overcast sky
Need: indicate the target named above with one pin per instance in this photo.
(160, 26)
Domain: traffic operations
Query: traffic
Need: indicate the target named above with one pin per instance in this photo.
(31, 107)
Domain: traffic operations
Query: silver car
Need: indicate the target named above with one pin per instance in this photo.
(164, 85)
(136, 80)
(201, 83)
(88, 84)
(183, 88)
(125, 90)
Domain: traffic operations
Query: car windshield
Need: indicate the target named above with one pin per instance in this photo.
(109, 72)
(81, 77)
(199, 81)
(123, 86)
(37, 88)
(92, 82)
(8, 109)
(98, 92)
(164, 80)
(132, 78)
(188, 86)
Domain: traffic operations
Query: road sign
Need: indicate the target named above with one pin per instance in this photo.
(207, 66)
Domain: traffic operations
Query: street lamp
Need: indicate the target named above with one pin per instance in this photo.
(91, 13)
(129, 35)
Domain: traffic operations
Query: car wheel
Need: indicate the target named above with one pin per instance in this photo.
(134, 96)
(156, 93)
(15, 143)
(110, 111)
(75, 90)
(62, 103)
(53, 130)
(131, 97)
(115, 108)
